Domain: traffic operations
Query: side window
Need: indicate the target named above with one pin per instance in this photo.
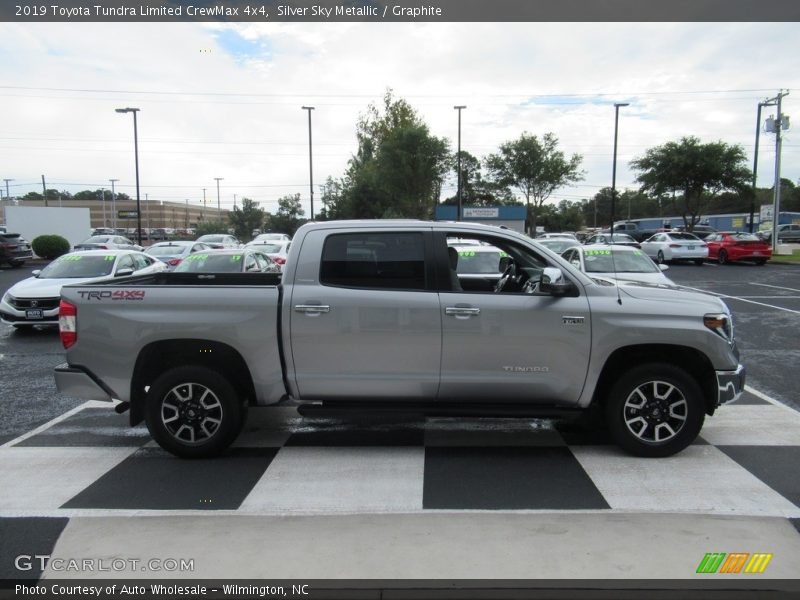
(250, 263)
(262, 264)
(391, 260)
(126, 262)
(139, 262)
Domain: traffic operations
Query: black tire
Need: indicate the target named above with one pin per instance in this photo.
(193, 412)
(698, 262)
(655, 410)
(722, 257)
(16, 264)
(761, 262)
(660, 257)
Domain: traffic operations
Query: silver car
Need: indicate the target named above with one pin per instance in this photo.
(616, 262)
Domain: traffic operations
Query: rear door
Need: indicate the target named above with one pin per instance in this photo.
(365, 321)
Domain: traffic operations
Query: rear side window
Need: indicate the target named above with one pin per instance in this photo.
(391, 260)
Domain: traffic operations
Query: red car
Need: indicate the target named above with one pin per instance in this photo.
(731, 246)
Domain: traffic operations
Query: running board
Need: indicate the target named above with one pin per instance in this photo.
(438, 410)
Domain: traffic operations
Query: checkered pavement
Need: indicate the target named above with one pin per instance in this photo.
(92, 462)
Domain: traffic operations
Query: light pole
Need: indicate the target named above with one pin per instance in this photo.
(8, 195)
(614, 168)
(204, 205)
(219, 207)
(310, 163)
(459, 109)
(113, 203)
(136, 159)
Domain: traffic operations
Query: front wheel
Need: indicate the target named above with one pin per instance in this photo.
(698, 262)
(761, 262)
(722, 257)
(655, 410)
(660, 257)
(193, 412)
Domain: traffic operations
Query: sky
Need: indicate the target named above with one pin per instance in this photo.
(224, 99)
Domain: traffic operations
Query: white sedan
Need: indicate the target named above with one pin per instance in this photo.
(626, 263)
(34, 301)
(277, 250)
(675, 245)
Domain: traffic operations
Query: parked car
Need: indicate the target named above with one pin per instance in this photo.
(733, 246)
(107, 242)
(620, 239)
(172, 253)
(278, 250)
(273, 237)
(557, 245)
(478, 266)
(787, 233)
(626, 263)
(14, 249)
(34, 301)
(555, 236)
(701, 231)
(675, 245)
(103, 231)
(220, 240)
(228, 261)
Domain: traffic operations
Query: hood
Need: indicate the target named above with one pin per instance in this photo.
(671, 294)
(47, 288)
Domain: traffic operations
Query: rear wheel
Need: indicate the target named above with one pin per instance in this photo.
(698, 262)
(15, 264)
(660, 257)
(193, 412)
(655, 410)
(722, 257)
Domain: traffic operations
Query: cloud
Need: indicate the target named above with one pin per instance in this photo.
(224, 100)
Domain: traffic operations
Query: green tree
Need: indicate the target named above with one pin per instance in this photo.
(245, 219)
(536, 168)
(289, 216)
(397, 170)
(692, 174)
(475, 190)
(210, 227)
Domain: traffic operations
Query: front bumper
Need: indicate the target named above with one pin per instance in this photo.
(77, 382)
(730, 385)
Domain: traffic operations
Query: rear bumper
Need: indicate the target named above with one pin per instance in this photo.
(730, 385)
(78, 382)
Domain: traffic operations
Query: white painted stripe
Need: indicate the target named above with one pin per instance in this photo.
(48, 425)
(777, 287)
(769, 399)
(771, 297)
(797, 312)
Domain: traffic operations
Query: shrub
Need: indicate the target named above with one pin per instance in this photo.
(50, 246)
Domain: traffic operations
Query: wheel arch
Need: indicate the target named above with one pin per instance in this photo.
(691, 360)
(158, 357)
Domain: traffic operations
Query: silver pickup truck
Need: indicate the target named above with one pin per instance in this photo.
(374, 316)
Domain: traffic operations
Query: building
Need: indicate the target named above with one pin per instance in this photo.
(512, 217)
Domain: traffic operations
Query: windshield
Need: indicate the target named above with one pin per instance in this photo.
(684, 236)
(599, 261)
(745, 237)
(79, 265)
(471, 261)
(211, 238)
(96, 239)
(211, 263)
(269, 248)
(557, 246)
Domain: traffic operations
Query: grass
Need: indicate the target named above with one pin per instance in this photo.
(787, 258)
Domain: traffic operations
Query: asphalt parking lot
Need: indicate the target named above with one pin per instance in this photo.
(402, 498)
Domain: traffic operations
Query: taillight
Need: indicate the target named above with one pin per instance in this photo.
(174, 262)
(103, 247)
(67, 323)
(280, 260)
(674, 245)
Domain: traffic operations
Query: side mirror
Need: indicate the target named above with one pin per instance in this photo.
(504, 262)
(36, 272)
(663, 267)
(124, 272)
(554, 283)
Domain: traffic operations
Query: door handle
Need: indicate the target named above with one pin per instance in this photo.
(312, 309)
(461, 311)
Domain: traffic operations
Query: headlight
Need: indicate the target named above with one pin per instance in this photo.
(721, 324)
(7, 298)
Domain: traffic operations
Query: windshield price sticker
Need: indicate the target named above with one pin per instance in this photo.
(236, 258)
(197, 257)
(596, 252)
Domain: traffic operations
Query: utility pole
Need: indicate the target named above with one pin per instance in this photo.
(755, 162)
(103, 203)
(459, 212)
(204, 204)
(44, 191)
(147, 205)
(8, 195)
(614, 168)
(219, 206)
(310, 162)
(778, 124)
(113, 203)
